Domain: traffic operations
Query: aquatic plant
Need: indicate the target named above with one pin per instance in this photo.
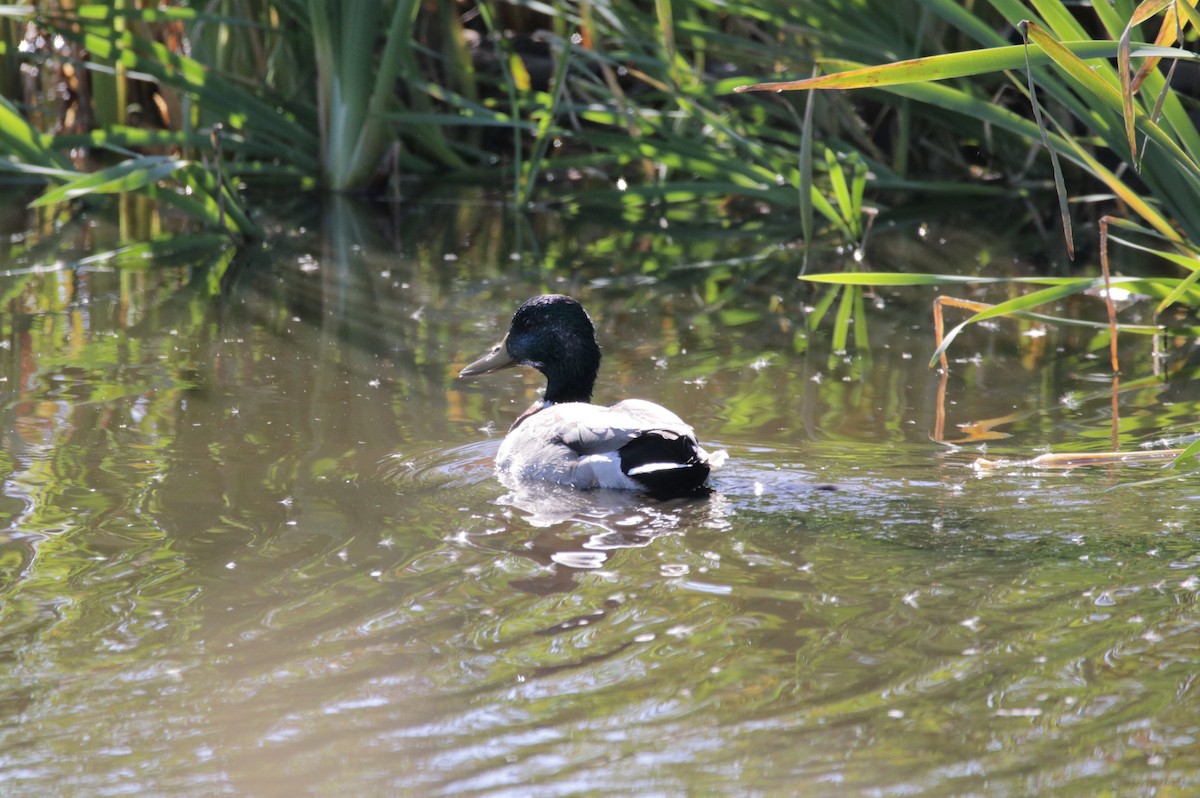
(627, 105)
(1105, 113)
(620, 108)
(53, 139)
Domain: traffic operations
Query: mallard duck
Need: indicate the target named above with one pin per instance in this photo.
(563, 438)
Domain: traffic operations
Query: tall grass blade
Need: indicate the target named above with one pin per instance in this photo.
(1060, 186)
(1110, 96)
(841, 321)
(1168, 34)
(1145, 11)
(961, 65)
(841, 190)
(823, 304)
(130, 175)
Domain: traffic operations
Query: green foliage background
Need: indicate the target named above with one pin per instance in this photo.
(628, 109)
(626, 103)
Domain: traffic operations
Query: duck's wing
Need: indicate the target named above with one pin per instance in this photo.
(673, 439)
(592, 429)
(571, 443)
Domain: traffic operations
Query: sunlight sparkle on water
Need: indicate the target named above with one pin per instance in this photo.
(204, 507)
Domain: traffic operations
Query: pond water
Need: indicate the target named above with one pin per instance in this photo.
(252, 543)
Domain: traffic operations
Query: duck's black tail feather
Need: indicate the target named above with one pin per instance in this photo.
(665, 463)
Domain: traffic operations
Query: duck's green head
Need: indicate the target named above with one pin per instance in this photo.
(553, 334)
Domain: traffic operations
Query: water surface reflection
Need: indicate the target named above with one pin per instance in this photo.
(254, 545)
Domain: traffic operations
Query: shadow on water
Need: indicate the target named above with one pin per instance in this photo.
(254, 545)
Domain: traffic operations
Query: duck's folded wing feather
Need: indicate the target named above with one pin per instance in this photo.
(648, 415)
(591, 436)
(591, 429)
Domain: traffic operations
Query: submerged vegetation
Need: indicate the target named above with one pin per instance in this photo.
(636, 111)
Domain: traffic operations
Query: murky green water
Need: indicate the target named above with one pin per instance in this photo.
(252, 545)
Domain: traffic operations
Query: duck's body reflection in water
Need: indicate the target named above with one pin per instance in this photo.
(565, 530)
(579, 530)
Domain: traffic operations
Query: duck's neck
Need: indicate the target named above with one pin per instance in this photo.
(571, 381)
(573, 392)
